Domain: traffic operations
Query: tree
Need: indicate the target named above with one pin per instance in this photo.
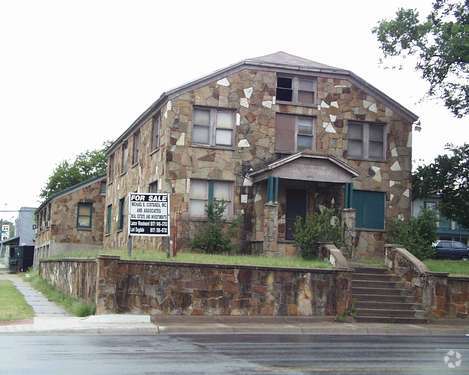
(448, 178)
(441, 44)
(88, 164)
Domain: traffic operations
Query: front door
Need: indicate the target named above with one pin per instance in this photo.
(296, 206)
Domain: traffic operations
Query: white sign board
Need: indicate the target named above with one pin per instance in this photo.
(149, 214)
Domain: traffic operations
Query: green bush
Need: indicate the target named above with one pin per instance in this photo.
(416, 235)
(323, 226)
(215, 235)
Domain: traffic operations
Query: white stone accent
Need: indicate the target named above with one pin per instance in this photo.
(267, 104)
(247, 181)
(248, 92)
(333, 118)
(366, 104)
(169, 106)
(273, 99)
(340, 86)
(181, 140)
(335, 104)
(388, 112)
(188, 185)
(391, 197)
(394, 152)
(406, 193)
(377, 177)
(329, 128)
(223, 82)
(244, 198)
(238, 119)
(324, 104)
(243, 143)
(244, 102)
(373, 108)
(409, 140)
(396, 166)
(257, 197)
(392, 183)
(400, 217)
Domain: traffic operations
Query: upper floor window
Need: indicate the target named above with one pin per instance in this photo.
(153, 187)
(124, 157)
(110, 171)
(102, 188)
(120, 221)
(135, 147)
(84, 213)
(155, 131)
(294, 133)
(366, 140)
(213, 127)
(109, 219)
(299, 90)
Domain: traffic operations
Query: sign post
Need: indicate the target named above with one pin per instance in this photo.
(149, 215)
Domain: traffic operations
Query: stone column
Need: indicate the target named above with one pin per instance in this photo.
(270, 229)
(106, 284)
(348, 220)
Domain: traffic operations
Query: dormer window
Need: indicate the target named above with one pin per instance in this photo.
(297, 90)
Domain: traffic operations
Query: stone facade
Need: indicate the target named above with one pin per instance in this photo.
(58, 227)
(249, 90)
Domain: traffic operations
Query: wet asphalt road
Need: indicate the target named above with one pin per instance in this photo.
(230, 354)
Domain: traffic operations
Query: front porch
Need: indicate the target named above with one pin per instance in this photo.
(292, 187)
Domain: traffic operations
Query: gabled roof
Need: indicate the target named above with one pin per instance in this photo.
(290, 158)
(80, 185)
(276, 61)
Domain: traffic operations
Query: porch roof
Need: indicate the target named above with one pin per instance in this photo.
(308, 167)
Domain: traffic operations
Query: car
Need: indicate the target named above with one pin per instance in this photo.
(446, 249)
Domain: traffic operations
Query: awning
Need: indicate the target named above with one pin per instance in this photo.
(11, 241)
(307, 167)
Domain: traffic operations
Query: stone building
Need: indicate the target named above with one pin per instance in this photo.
(72, 219)
(277, 137)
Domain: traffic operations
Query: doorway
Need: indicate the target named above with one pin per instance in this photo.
(296, 206)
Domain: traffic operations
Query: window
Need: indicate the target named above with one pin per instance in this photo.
(153, 187)
(135, 147)
(110, 171)
(155, 131)
(124, 157)
(84, 214)
(102, 188)
(294, 133)
(300, 90)
(212, 127)
(370, 209)
(366, 140)
(120, 222)
(428, 205)
(202, 192)
(108, 219)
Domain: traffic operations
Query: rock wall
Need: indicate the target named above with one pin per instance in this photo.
(76, 278)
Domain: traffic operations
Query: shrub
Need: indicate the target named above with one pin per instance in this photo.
(416, 235)
(215, 235)
(323, 226)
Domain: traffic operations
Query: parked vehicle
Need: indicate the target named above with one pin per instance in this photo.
(451, 250)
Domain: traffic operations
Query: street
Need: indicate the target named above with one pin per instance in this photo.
(232, 354)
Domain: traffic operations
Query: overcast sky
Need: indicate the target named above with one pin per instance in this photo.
(76, 73)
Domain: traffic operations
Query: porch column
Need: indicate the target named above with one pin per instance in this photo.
(349, 220)
(271, 218)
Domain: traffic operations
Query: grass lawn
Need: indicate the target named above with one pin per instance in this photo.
(251, 260)
(454, 267)
(12, 303)
(72, 305)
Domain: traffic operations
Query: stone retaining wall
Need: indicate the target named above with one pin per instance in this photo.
(200, 289)
(76, 278)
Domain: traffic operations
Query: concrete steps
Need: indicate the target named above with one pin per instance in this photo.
(379, 297)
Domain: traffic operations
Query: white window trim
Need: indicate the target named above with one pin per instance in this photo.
(366, 140)
(295, 88)
(212, 131)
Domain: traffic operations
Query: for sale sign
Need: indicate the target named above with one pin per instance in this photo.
(149, 214)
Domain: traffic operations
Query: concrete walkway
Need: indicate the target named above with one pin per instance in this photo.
(42, 307)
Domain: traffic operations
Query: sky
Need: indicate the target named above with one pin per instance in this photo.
(74, 74)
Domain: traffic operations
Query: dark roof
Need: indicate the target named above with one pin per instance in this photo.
(277, 60)
(12, 241)
(69, 189)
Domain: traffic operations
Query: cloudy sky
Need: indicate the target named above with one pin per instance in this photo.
(76, 73)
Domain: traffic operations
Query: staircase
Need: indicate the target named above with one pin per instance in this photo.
(379, 297)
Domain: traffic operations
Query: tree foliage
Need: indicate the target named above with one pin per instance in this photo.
(88, 164)
(448, 178)
(323, 226)
(214, 236)
(441, 44)
(416, 235)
